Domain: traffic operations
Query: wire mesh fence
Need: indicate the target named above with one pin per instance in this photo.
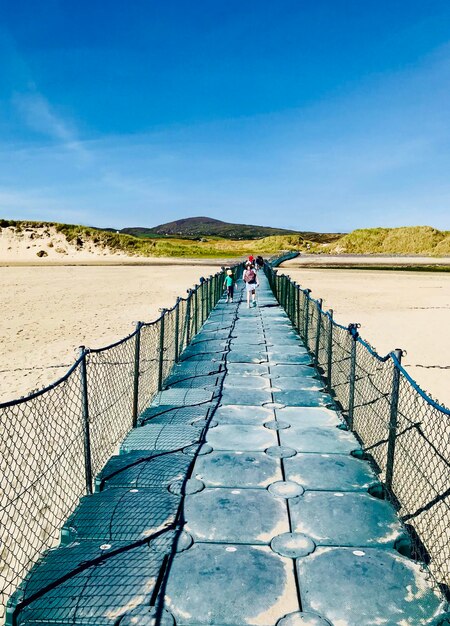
(54, 442)
(402, 430)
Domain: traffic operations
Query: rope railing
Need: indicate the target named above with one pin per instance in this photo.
(402, 430)
(56, 440)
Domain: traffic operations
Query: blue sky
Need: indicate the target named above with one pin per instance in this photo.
(326, 115)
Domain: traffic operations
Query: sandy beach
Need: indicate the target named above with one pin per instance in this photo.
(48, 311)
(396, 309)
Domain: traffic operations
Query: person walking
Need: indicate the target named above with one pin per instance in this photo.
(229, 284)
(251, 283)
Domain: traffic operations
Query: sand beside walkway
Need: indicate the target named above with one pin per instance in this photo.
(47, 312)
(396, 309)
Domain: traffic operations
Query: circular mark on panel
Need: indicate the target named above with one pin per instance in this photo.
(292, 545)
(359, 553)
(186, 487)
(184, 541)
(105, 546)
(274, 425)
(193, 450)
(230, 549)
(303, 619)
(281, 452)
(147, 616)
(197, 421)
(274, 405)
(286, 489)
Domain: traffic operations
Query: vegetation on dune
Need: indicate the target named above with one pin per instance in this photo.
(404, 240)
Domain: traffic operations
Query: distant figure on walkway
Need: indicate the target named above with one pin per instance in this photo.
(251, 259)
(259, 262)
(229, 284)
(251, 283)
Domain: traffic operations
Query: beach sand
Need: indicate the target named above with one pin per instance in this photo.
(48, 311)
(396, 309)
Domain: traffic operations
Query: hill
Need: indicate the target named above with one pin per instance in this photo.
(52, 240)
(195, 227)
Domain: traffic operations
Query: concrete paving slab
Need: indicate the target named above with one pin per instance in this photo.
(366, 587)
(332, 472)
(237, 469)
(241, 437)
(345, 519)
(251, 516)
(206, 586)
(238, 414)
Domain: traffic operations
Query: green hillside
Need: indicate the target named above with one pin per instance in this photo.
(410, 240)
(200, 227)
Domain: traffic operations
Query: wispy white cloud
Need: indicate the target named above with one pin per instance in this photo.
(40, 117)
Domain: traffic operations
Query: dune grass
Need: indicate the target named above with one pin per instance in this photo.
(423, 240)
(410, 240)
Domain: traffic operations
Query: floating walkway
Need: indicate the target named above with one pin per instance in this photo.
(236, 501)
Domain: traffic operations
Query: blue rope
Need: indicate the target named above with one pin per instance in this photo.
(415, 386)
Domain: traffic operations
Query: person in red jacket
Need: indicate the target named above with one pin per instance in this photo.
(251, 283)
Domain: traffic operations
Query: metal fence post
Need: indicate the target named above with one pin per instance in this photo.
(204, 301)
(188, 317)
(330, 350)
(195, 309)
(298, 305)
(177, 329)
(306, 320)
(352, 329)
(85, 416)
(161, 348)
(285, 293)
(137, 351)
(291, 300)
(210, 294)
(319, 319)
(393, 421)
